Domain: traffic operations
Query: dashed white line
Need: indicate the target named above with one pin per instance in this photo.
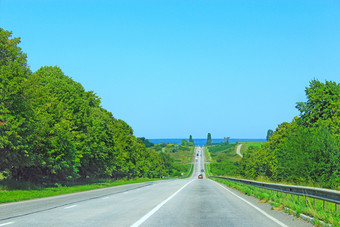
(70, 207)
(7, 223)
(145, 217)
(263, 212)
(105, 197)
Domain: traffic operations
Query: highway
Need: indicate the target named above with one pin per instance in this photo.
(174, 202)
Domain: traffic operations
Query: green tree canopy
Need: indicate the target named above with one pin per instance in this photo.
(307, 149)
(322, 105)
(15, 112)
(269, 134)
(209, 140)
(52, 130)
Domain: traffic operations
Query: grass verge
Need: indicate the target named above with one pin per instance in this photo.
(190, 172)
(207, 155)
(207, 170)
(246, 145)
(19, 195)
(280, 200)
(7, 196)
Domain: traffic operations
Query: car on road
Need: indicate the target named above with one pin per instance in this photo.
(200, 176)
(202, 170)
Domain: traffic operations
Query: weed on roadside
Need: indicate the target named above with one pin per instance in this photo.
(300, 205)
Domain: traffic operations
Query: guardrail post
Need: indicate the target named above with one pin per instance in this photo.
(336, 208)
(315, 202)
(324, 205)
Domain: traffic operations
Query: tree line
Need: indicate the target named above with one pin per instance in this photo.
(305, 150)
(52, 130)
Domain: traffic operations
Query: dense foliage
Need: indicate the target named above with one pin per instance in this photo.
(191, 140)
(52, 130)
(269, 134)
(179, 157)
(225, 159)
(209, 140)
(307, 149)
(146, 142)
(187, 143)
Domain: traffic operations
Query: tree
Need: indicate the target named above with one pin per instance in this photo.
(269, 134)
(62, 115)
(15, 113)
(209, 140)
(52, 130)
(323, 104)
(190, 139)
(146, 142)
(307, 149)
(226, 140)
(184, 142)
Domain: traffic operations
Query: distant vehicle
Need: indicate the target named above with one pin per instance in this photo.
(197, 154)
(202, 170)
(200, 176)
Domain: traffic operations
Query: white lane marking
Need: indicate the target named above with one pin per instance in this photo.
(154, 210)
(8, 223)
(105, 197)
(70, 207)
(263, 212)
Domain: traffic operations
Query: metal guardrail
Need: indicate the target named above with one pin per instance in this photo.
(316, 193)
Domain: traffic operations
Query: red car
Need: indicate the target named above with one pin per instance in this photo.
(200, 176)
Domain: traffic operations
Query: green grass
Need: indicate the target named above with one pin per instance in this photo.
(12, 191)
(19, 195)
(279, 200)
(207, 170)
(223, 159)
(188, 174)
(182, 154)
(245, 145)
(207, 154)
(225, 151)
(182, 157)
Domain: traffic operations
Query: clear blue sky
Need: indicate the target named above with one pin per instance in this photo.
(175, 68)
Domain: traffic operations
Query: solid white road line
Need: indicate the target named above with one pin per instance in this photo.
(70, 207)
(8, 223)
(154, 210)
(263, 212)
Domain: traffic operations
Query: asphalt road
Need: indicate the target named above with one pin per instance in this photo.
(177, 202)
(238, 151)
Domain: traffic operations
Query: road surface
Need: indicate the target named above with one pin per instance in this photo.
(238, 150)
(176, 202)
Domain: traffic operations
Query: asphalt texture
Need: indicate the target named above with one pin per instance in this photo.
(176, 202)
